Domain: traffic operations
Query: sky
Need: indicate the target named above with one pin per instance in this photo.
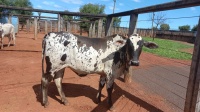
(187, 16)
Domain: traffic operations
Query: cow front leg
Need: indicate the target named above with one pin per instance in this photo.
(46, 78)
(102, 82)
(58, 80)
(109, 86)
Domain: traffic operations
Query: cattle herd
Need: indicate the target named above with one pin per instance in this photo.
(110, 57)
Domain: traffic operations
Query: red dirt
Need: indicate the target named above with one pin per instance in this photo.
(20, 75)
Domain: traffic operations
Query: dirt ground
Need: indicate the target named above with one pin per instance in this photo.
(20, 76)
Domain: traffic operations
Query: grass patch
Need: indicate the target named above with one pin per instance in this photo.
(169, 49)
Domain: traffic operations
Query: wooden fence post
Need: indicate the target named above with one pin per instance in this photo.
(51, 26)
(10, 19)
(93, 29)
(132, 24)
(35, 29)
(61, 23)
(90, 30)
(45, 24)
(100, 26)
(27, 25)
(68, 26)
(192, 102)
(58, 23)
(132, 29)
(108, 29)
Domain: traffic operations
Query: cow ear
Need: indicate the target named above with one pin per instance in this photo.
(150, 45)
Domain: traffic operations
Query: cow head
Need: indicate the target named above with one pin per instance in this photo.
(134, 47)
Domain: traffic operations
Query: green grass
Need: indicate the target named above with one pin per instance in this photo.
(169, 49)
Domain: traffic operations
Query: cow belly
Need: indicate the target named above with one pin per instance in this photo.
(86, 62)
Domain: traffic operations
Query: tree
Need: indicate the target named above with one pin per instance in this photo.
(67, 18)
(158, 18)
(116, 22)
(7, 3)
(22, 3)
(95, 9)
(184, 28)
(17, 3)
(92, 9)
(194, 28)
(164, 27)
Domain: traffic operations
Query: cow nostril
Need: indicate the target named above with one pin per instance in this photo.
(134, 63)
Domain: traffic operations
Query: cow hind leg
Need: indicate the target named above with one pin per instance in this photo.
(1, 42)
(9, 37)
(58, 81)
(46, 78)
(101, 85)
(13, 38)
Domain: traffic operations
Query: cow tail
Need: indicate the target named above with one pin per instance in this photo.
(43, 54)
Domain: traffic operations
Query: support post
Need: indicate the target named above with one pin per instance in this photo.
(61, 23)
(45, 24)
(27, 26)
(192, 102)
(35, 29)
(93, 29)
(100, 26)
(108, 29)
(10, 19)
(132, 29)
(132, 24)
(68, 26)
(58, 23)
(51, 26)
(90, 30)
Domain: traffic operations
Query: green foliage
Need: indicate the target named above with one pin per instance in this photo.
(116, 22)
(22, 3)
(16, 3)
(184, 28)
(7, 3)
(67, 18)
(169, 48)
(164, 27)
(194, 28)
(92, 9)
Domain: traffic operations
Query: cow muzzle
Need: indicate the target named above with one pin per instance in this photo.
(134, 63)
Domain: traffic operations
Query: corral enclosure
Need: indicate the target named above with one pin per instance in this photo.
(172, 80)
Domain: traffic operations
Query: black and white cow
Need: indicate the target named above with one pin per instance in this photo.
(110, 57)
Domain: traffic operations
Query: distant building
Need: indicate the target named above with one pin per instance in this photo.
(14, 21)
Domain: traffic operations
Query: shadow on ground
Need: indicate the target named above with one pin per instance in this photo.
(75, 90)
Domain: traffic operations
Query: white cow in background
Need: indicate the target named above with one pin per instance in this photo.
(7, 30)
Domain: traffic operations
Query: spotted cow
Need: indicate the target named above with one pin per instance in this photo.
(110, 57)
(7, 30)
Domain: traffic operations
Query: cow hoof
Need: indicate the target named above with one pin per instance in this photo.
(65, 102)
(46, 104)
(112, 109)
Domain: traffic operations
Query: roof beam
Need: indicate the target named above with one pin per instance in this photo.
(55, 12)
(159, 7)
